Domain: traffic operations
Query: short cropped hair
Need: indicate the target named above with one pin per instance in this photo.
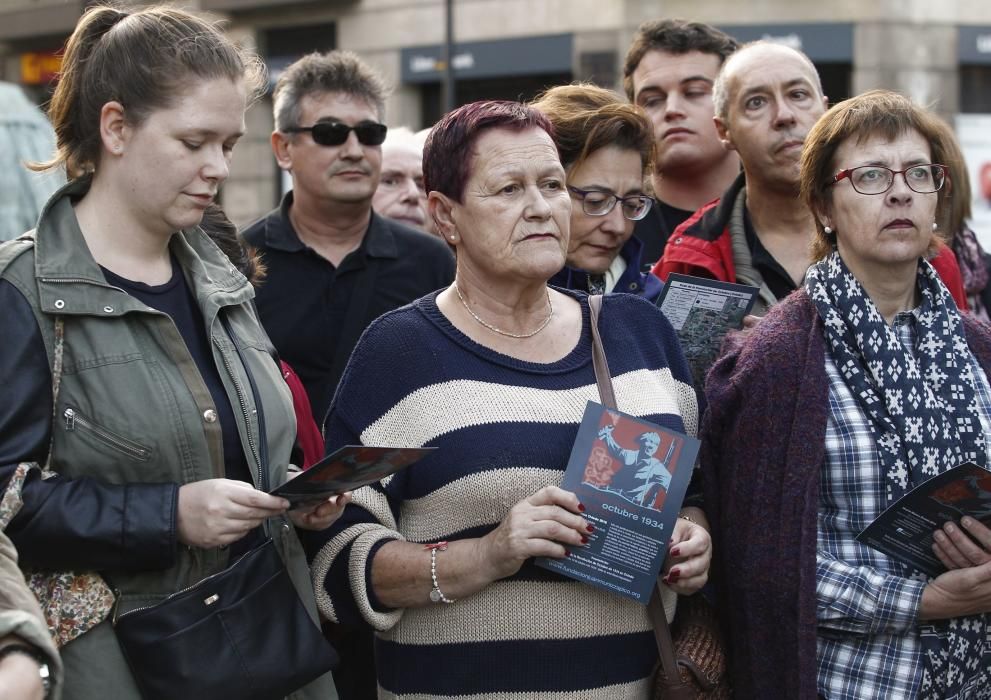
(315, 73)
(675, 36)
(875, 113)
(587, 118)
(143, 59)
(447, 154)
(721, 88)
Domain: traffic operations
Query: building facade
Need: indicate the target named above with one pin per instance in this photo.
(937, 53)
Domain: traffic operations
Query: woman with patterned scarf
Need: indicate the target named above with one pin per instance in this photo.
(855, 389)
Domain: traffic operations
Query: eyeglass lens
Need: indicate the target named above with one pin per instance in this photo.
(336, 133)
(876, 179)
(601, 203)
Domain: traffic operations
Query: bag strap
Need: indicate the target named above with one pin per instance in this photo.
(662, 633)
(602, 375)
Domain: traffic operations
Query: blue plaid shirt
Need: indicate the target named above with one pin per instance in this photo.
(867, 604)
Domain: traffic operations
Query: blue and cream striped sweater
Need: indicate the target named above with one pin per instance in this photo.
(505, 429)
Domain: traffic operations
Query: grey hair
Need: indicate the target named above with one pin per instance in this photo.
(721, 89)
(334, 71)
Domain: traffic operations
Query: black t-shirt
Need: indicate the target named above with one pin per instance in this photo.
(315, 312)
(654, 230)
(777, 278)
(175, 299)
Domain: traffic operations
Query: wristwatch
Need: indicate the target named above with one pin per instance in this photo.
(43, 671)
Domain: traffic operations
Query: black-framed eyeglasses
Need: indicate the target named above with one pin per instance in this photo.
(877, 179)
(599, 203)
(336, 133)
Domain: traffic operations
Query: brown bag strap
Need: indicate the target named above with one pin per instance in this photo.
(662, 633)
(602, 375)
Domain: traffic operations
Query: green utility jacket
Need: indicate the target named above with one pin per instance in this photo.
(128, 372)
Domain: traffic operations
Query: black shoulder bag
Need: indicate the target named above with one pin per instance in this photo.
(240, 633)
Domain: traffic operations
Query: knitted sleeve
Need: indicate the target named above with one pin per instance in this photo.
(341, 569)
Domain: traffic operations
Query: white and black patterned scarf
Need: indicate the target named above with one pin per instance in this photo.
(923, 412)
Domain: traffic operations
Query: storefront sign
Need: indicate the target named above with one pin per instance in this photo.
(827, 43)
(39, 68)
(974, 45)
(490, 59)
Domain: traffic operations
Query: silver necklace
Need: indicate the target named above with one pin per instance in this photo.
(492, 328)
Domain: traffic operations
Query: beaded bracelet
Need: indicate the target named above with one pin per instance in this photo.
(436, 595)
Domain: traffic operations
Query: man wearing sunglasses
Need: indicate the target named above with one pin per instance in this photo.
(333, 264)
(766, 97)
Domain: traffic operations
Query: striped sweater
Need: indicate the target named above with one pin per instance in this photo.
(505, 429)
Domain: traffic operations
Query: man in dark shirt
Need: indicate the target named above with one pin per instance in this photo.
(333, 264)
(767, 97)
(669, 71)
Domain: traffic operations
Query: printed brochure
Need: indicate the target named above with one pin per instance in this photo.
(905, 530)
(702, 311)
(631, 476)
(347, 469)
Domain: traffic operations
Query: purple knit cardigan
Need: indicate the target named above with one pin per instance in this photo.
(763, 445)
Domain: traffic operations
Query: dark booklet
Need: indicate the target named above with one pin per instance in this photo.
(631, 476)
(702, 312)
(905, 530)
(347, 469)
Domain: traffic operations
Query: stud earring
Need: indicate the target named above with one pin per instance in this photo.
(935, 226)
(827, 230)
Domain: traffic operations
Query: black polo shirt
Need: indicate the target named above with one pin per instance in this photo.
(775, 276)
(656, 228)
(315, 312)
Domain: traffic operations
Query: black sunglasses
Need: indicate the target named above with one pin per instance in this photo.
(336, 133)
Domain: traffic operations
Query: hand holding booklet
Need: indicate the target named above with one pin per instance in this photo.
(347, 469)
(631, 475)
(905, 530)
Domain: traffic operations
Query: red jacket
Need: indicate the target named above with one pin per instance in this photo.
(307, 434)
(702, 246)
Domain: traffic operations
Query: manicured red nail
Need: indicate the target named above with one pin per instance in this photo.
(581, 507)
(590, 528)
(674, 574)
(584, 540)
(567, 552)
(675, 552)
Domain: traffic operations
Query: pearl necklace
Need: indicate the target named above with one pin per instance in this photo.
(492, 328)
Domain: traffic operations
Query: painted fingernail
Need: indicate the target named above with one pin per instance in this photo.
(581, 507)
(590, 528)
(584, 540)
(674, 574)
(567, 552)
(675, 552)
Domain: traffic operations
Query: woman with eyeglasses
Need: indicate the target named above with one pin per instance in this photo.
(860, 386)
(606, 147)
(496, 371)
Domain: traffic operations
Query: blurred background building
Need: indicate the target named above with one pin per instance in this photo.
(936, 51)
